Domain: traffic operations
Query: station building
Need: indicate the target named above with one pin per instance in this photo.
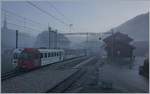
(118, 45)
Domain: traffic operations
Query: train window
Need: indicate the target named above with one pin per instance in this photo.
(54, 53)
(15, 56)
(48, 54)
(45, 55)
(41, 55)
(24, 56)
(51, 54)
(59, 53)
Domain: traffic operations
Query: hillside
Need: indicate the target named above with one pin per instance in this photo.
(137, 27)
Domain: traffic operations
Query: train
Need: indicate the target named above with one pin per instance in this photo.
(31, 58)
(16, 53)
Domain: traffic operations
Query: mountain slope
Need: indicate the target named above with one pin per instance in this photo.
(137, 28)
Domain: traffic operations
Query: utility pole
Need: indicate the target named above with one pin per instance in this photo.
(56, 38)
(49, 29)
(16, 39)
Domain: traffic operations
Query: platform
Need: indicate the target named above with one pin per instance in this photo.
(36, 81)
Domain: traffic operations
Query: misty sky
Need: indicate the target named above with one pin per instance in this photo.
(85, 15)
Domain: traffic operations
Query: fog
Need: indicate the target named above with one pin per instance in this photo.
(45, 24)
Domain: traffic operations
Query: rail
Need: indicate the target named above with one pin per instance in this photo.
(14, 73)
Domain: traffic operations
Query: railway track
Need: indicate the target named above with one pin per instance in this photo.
(56, 65)
(71, 64)
(68, 75)
(9, 74)
(63, 86)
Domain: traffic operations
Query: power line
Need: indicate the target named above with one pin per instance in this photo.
(24, 18)
(22, 26)
(7, 16)
(59, 20)
(59, 12)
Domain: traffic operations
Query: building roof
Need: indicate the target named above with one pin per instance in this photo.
(121, 45)
(118, 37)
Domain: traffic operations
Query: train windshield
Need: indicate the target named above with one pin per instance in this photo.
(25, 56)
(29, 55)
(16, 55)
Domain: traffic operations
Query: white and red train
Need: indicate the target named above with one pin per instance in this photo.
(30, 58)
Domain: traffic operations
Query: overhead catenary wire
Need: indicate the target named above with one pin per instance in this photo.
(9, 15)
(24, 18)
(22, 26)
(61, 14)
(26, 22)
(20, 18)
(47, 13)
(58, 11)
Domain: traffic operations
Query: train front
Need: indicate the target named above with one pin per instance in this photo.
(29, 59)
